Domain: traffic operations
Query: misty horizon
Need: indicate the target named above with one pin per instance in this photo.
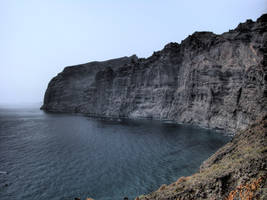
(133, 100)
(39, 39)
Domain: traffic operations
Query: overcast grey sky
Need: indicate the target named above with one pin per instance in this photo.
(39, 38)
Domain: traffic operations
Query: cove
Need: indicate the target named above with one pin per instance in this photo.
(61, 156)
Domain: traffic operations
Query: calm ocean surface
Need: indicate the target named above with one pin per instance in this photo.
(60, 156)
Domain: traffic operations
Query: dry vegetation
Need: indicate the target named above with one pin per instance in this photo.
(237, 171)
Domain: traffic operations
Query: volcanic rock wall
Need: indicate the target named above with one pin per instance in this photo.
(215, 81)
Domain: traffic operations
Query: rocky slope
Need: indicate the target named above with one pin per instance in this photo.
(237, 171)
(215, 81)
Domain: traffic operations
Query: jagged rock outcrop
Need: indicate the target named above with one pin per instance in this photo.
(236, 171)
(215, 81)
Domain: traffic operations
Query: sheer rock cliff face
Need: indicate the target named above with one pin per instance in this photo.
(215, 81)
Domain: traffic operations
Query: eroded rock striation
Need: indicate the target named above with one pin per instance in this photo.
(215, 81)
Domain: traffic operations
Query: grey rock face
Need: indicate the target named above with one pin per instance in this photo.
(215, 81)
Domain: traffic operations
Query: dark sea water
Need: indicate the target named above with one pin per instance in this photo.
(60, 156)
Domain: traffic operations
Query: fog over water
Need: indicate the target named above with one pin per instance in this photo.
(39, 38)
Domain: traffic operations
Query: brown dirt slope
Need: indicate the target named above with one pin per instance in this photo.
(237, 171)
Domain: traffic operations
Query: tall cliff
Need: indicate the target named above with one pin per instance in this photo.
(215, 81)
